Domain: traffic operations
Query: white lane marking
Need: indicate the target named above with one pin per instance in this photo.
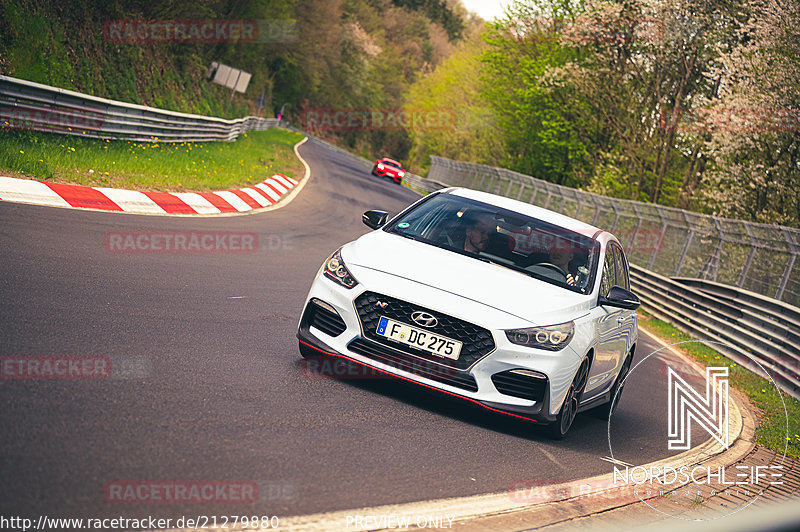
(261, 200)
(615, 461)
(550, 456)
(268, 191)
(131, 200)
(235, 201)
(29, 191)
(197, 202)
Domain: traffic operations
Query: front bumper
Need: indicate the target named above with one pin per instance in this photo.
(383, 173)
(504, 380)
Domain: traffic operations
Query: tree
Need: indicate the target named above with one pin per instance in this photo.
(755, 124)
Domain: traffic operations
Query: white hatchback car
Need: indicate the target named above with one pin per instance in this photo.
(513, 307)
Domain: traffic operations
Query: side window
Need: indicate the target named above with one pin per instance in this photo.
(622, 268)
(609, 276)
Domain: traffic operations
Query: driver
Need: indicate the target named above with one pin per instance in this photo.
(478, 227)
(561, 255)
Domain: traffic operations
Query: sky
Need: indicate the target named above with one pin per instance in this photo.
(487, 9)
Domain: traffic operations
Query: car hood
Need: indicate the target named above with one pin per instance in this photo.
(498, 287)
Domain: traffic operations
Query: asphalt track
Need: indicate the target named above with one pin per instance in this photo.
(214, 389)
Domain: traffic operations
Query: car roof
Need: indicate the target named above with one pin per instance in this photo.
(391, 161)
(527, 209)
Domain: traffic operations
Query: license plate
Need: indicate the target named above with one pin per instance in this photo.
(441, 346)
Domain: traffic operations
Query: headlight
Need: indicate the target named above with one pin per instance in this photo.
(380, 166)
(335, 270)
(551, 338)
(401, 173)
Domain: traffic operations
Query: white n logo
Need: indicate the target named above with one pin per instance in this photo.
(685, 404)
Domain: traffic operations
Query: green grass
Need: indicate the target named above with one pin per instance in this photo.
(188, 166)
(771, 432)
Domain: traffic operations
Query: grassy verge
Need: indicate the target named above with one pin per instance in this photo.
(203, 166)
(771, 432)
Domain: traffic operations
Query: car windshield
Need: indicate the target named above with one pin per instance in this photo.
(391, 163)
(548, 252)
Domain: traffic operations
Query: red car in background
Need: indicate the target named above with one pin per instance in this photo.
(389, 168)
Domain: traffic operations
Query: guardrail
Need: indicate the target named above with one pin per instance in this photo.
(743, 326)
(28, 105)
(422, 184)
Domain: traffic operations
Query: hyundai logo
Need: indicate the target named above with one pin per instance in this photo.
(424, 319)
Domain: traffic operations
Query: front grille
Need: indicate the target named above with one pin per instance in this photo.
(323, 319)
(396, 359)
(519, 385)
(478, 342)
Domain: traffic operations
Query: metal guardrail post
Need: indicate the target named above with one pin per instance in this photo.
(682, 258)
(749, 260)
(787, 272)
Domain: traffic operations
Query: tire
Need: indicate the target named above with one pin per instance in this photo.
(559, 428)
(605, 411)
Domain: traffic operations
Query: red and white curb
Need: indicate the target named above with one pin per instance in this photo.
(258, 196)
(263, 196)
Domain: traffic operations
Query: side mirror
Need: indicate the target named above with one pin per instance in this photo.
(374, 219)
(620, 298)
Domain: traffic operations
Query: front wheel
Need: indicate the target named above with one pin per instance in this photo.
(559, 428)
